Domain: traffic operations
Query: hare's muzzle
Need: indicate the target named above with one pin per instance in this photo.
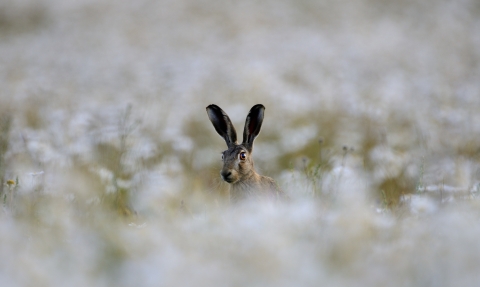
(227, 176)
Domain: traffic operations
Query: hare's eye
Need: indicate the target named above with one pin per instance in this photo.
(222, 156)
(242, 156)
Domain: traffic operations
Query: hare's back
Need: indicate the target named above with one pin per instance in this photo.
(270, 186)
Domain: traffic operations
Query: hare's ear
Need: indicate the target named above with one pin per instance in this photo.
(222, 124)
(253, 124)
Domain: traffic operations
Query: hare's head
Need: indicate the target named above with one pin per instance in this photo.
(237, 159)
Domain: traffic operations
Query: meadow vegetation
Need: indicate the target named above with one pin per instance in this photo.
(109, 166)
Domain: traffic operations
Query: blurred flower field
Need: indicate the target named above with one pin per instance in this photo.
(109, 166)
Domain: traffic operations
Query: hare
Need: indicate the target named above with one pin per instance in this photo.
(238, 169)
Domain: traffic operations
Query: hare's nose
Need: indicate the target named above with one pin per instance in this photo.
(225, 174)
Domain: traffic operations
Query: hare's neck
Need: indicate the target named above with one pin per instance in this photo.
(248, 184)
